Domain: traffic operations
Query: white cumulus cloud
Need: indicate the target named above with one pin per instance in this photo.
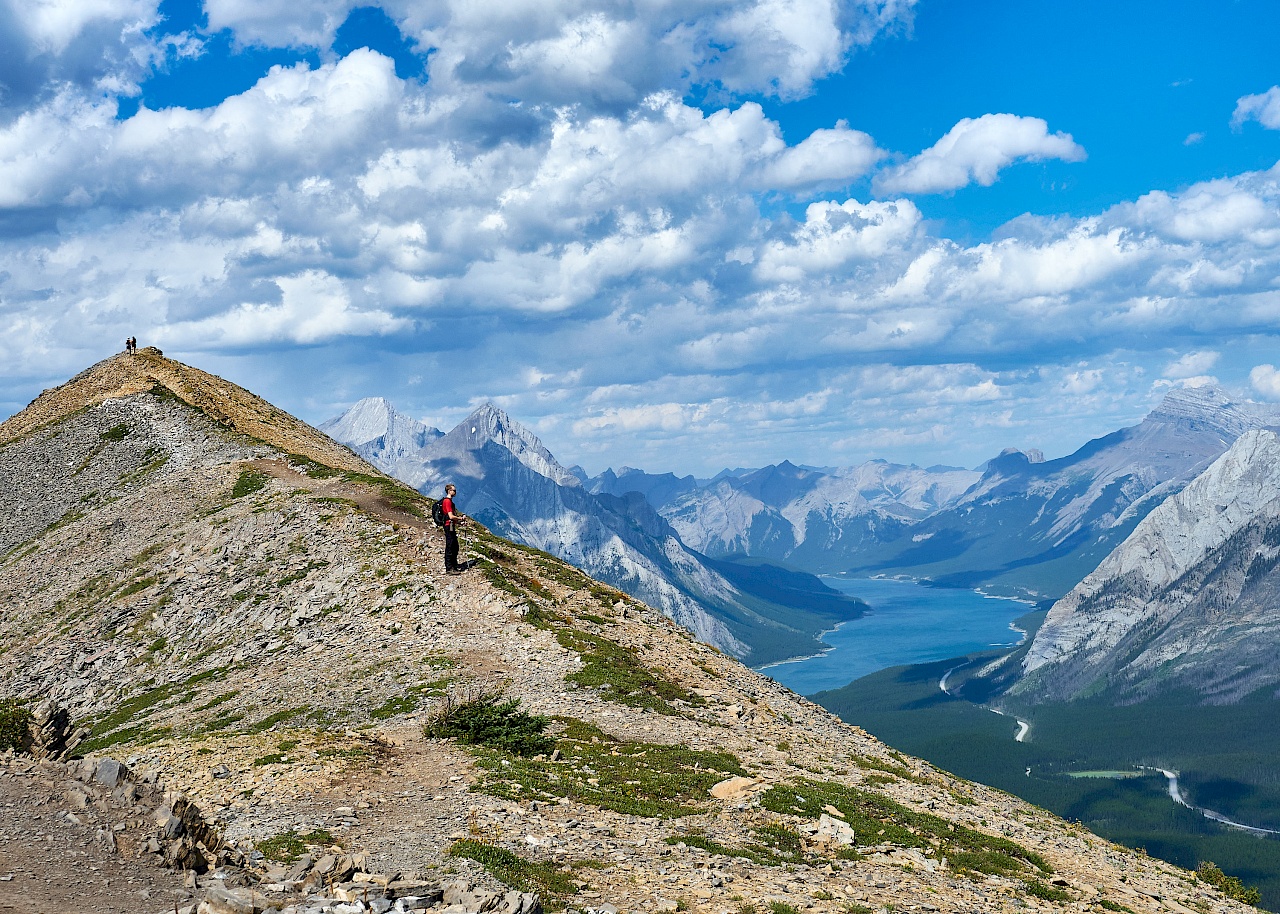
(1266, 381)
(1192, 364)
(1263, 108)
(976, 150)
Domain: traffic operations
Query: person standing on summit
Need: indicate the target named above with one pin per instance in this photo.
(452, 518)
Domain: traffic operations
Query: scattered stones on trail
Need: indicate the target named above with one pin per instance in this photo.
(242, 638)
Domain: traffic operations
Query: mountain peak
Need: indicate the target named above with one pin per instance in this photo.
(488, 423)
(1214, 408)
(377, 431)
(225, 403)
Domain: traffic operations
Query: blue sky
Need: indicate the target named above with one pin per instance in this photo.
(676, 236)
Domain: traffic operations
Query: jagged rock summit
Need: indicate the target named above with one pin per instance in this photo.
(267, 634)
(388, 439)
(374, 420)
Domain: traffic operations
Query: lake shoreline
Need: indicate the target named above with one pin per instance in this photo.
(907, 621)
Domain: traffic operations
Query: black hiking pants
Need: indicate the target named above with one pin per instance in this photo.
(450, 549)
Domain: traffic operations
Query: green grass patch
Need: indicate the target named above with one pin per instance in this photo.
(278, 717)
(274, 758)
(1042, 890)
(302, 573)
(217, 700)
(395, 494)
(289, 846)
(155, 459)
(520, 873)
(620, 676)
(501, 572)
(634, 778)
(774, 845)
(248, 482)
(877, 819)
(116, 433)
(107, 730)
(313, 468)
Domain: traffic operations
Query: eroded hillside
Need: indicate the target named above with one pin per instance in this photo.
(232, 602)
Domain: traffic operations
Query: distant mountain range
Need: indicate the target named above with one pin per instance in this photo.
(1017, 524)
(1040, 526)
(511, 483)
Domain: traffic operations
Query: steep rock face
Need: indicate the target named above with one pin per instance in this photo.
(378, 433)
(1188, 599)
(458, 451)
(1043, 525)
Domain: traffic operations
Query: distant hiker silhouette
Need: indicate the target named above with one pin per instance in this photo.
(131, 345)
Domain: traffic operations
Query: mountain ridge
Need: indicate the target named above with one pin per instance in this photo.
(268, 636)
(1145, 607)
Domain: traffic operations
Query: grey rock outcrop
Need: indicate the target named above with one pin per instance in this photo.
(1191, 593)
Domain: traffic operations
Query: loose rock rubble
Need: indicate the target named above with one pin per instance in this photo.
(133, 816)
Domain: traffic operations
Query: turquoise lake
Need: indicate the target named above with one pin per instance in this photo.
(906, 623)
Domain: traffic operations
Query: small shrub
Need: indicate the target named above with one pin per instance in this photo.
(1231, 886)
(488, 720)
(15, 722)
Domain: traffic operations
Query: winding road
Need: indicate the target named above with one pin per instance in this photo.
(1175, 794)
(1023, 726)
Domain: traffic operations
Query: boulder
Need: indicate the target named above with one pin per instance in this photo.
(733, 788)
(835, 831)
(218, 900)
(109, 773)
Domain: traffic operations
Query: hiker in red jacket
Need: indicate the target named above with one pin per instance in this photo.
(452, 518)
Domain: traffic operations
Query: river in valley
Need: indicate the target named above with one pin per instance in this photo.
(906, 623)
